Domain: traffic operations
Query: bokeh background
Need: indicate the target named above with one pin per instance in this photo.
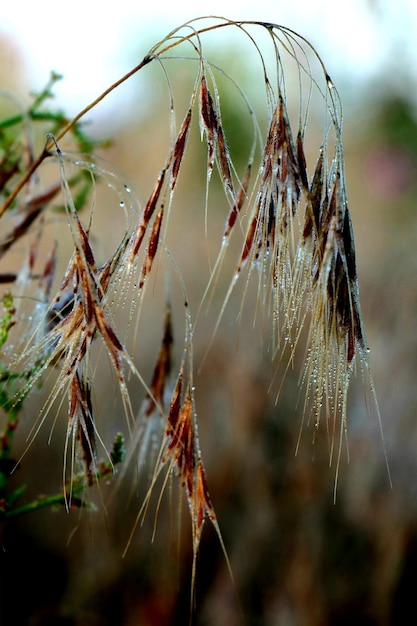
(297, 557)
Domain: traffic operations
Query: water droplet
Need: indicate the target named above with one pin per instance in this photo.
(329, 82)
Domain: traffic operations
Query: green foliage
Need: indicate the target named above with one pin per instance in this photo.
(18, 134)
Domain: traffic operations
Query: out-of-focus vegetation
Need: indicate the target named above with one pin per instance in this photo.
(297, 557)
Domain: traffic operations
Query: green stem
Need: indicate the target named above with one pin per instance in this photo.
(39, 503)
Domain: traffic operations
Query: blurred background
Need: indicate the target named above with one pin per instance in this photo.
(297, 557)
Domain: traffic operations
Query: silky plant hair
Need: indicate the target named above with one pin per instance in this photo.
(284, 203)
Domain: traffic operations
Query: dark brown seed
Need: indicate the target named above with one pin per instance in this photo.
(179, 148)
(302, 165)
(152, 247)
(224, 159)
(240, 199)
(208, 112)
(162, 368)
(250, 236)
(146, 216)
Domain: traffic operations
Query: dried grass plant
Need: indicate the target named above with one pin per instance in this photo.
(285, 210)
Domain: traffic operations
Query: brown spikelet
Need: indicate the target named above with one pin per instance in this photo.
(302, 164)
(314, 200)
(88, 296)
(182, 451)
(81, 422)
(162, 368)
(140, 230)
(153, 199)
(179, 438)
(336, 334)
(260, 212)
(240, 199)
(250, 238)
(224, 159)
(152, 247)
(85, 247)
(208, 120)
(215, 137)
(289, 175)
(151, 416)
(179, 148)
(269, 237)
(78, 315)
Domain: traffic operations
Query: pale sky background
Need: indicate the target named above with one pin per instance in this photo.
(92, 43)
